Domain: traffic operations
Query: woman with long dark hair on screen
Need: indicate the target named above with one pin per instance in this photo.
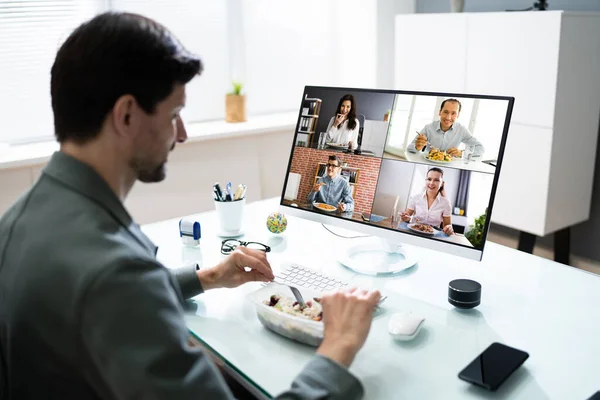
(343, 127)
(431, 207)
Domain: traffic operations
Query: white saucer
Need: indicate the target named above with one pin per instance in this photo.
(230, 234)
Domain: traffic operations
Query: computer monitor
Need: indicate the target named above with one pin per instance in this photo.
(418, 168)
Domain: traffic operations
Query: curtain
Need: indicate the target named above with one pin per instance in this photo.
(462, 195)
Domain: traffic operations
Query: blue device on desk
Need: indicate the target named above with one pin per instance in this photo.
(189, 231)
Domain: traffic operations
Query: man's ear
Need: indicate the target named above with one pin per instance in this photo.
(124, 115)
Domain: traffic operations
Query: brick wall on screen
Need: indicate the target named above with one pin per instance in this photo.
(305, 160)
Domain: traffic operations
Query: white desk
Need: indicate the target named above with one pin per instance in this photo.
(547, 309)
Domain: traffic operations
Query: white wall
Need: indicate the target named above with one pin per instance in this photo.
(386, 13)
(192, 170)
(374, 136)
(288, 45)
(394, 182)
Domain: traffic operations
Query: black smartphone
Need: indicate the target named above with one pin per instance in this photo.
(493, 366)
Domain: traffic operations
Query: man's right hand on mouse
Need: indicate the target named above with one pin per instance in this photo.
(347, 316)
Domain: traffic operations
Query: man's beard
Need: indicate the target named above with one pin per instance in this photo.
(152, 175)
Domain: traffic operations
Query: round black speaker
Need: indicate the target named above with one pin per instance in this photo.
(464, 293)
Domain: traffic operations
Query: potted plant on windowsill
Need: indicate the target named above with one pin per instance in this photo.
(235, 104)
(386, 116)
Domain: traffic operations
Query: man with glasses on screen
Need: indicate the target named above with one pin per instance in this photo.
(86, 310)
(446, 134)
(332, 188)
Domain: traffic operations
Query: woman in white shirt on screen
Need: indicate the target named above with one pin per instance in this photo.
(343, 127)
(431, 207)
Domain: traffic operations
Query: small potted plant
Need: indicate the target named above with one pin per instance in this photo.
(386, 117)
(475, 233)
(235, 104)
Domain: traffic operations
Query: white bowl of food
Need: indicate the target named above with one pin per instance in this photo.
(277, 310)
(324, 207)
(423, 229)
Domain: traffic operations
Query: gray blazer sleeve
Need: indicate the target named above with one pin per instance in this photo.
(134, 344)
(135, 340)
(323, 378)
(188, 281)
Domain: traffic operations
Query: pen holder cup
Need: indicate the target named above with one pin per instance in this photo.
(230, 215)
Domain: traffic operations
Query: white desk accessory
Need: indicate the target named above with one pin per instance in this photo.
(189, 231)
(405, 325)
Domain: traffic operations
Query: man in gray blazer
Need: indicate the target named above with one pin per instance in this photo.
(86, 310)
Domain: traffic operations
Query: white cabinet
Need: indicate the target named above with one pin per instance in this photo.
(520, 62)
(550, 62)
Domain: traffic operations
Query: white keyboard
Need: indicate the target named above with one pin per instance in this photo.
(301, 276)
(304, 277)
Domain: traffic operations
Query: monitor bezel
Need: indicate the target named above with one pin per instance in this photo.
(393, 234)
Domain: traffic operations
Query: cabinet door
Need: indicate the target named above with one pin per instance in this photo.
(522, 194)
(430, 52)
(515, 54)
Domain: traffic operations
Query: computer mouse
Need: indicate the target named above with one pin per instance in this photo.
(405, 325)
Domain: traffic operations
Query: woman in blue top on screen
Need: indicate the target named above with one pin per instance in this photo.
(431, 207)
(343, 127)
(332, 189)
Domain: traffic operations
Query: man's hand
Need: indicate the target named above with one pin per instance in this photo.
(404, 216)
(347, 316)
(454, 152)
(232, 272)
(342, 206)
(448, 230)
(318, 186)
(421, 141)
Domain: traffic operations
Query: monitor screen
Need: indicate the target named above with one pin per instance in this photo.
(416, 167)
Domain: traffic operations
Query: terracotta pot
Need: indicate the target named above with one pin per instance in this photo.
(235, 108)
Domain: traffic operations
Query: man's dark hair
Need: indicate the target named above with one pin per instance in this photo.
(109, 56)
(451, 101)
(336, 158)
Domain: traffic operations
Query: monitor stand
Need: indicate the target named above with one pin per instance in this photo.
(378, 256)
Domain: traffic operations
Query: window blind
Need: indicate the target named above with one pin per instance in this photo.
(32, 31)
(30, 34)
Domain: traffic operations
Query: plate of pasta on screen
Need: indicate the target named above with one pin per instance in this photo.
(438, 157)
(422, 229)
(324, 207)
